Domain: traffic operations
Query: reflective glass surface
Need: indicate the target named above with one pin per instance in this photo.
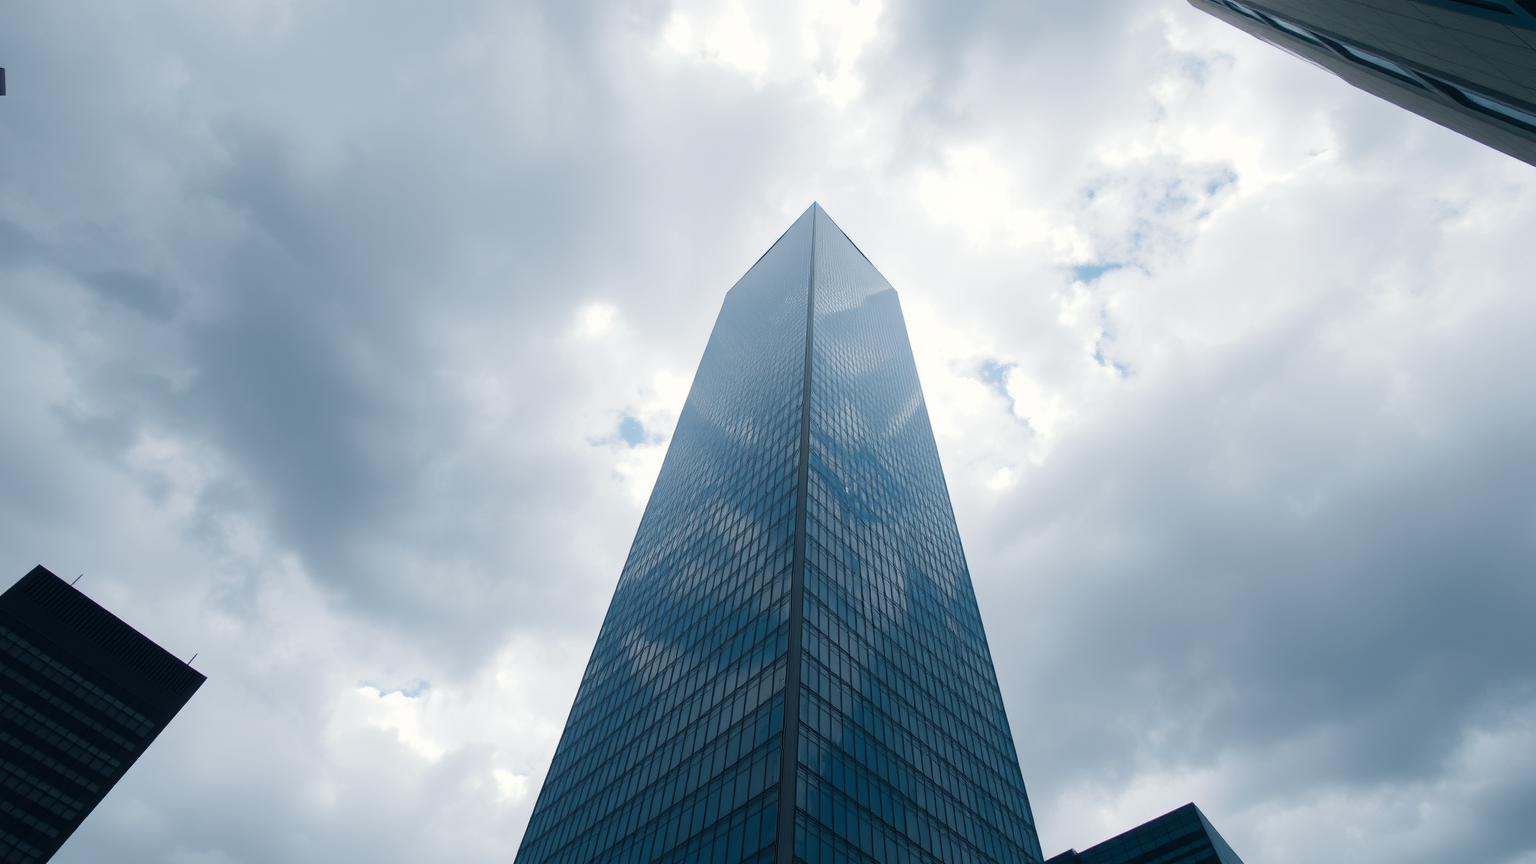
(905, 752)
(672, 748)
(842, 554)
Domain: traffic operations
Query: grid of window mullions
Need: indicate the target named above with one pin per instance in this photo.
(815, 843)
(883, 568)
(930, 535)
(739, 754)
(51, 718)
(904, 785)
(745, 835)
(977, 758)
(910, 651)
(681, 821)
(43, 758)
(599, 718)
(924, 746)
(701, 603)
(666, 526)
(659, 683)
(15, 849)
(877, 801)
(668, 743)
(766, 574)
(602, 717)
(28, 719)
(669, 532)
(920, 537)
(946, 572)
(905, 674)
(704, 699)
(910, 684)
(836, 455)
(65, 704)
(92, 695)
(688, 678)
(693, 747)
(911, 754)
(707, 691)
(932, 688)
(850, 465)
(619, 735)
(695, 482)
(22, 782)
(26, 818)
(703, 529)
(888, 602)
(747, 831)
(845, 821)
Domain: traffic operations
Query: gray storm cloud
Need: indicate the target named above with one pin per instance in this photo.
(339, 343)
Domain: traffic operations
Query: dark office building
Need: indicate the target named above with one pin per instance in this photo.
(81, 696)
(1469, 65)
(1184, 836)
(798, 559)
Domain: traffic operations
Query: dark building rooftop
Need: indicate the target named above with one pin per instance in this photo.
(1183, 836)
(82, 695)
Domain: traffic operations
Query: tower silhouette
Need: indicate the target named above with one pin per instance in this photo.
(798, 559)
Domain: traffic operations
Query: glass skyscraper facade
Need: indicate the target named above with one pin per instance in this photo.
(793, 667)
(1469, 65)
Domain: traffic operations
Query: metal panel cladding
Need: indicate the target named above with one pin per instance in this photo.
(773, 533)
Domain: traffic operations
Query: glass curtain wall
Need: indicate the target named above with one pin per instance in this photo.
(905, 751)
(772, 533)
(672, 750)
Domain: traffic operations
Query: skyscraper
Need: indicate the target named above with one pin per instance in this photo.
(793, 666)
(1469, 65)
(1183, 836)
(82, 695)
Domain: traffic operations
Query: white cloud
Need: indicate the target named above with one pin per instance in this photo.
(818, 42)
(401, 714)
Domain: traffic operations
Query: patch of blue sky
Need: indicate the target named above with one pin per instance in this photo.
(410, 690)
(1098, 356)
(632, 431)
(994, 373)
(1087, 273)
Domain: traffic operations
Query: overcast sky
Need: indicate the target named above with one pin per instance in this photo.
(340, 342)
